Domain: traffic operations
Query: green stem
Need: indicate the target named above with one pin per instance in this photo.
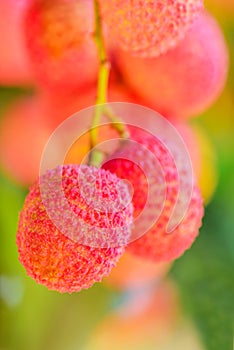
(116, 123)
(102, 88)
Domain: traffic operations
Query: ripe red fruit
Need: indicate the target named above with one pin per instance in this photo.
(53, 259)
(187, 79)
(149, 28)
(14, 63)
(29, 122)
(24, 132)
(59, 36)
(156, 244)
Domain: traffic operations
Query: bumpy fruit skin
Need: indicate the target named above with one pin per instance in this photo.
(59, 37)
(149, 28)
(51, 258)
(187, 79)
(156, 244)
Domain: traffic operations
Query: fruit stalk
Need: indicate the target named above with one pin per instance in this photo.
(95, 157)
(103, 77)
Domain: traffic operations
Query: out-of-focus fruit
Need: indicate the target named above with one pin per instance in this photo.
(24, 132)
(60, 41)
(29, 122)
(51, 258)
(187, 79)
(133, 272)
(149, 28)
(14, 64)
(148, 319)
(81, 98)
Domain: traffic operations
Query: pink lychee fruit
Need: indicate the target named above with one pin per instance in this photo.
(149, 28)
(52, 258)
(60, 41)
(14, 63)
(156, 243)
(187, 79)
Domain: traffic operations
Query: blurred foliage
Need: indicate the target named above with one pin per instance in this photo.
(205, 273)
(205, 277)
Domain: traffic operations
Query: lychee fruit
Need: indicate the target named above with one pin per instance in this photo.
(149, 28)
(102, 207)
(187, 79)
(60, 41)
(156, 243)
(14, 64)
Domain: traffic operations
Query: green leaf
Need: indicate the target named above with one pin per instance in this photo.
(205, 278)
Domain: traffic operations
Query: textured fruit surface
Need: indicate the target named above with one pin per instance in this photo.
(53, 259)
(187, 79)
(157, 244)
(59, 36)
(14, 63)
(149, 28)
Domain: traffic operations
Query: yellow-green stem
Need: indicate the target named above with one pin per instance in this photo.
(102, 88)
(116, 123)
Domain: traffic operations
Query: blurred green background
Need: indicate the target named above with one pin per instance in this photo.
(34, 318)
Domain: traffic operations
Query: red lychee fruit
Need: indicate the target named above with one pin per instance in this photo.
(187, 79)
(156, 244)
(23, 134)
(99, 201)
(28, 123)
(149, 28)
(59, 37)
(14, 63)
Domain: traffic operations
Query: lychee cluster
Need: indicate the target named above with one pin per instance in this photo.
(52, 258)
(78, 220)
